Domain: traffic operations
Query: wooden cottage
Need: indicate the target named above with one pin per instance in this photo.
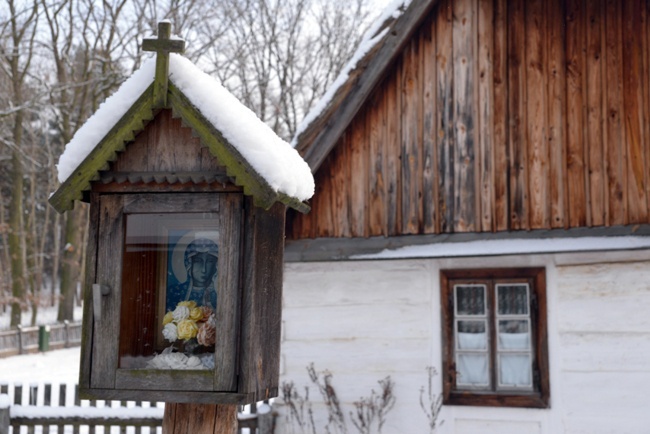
(482, 207)
(188, 191)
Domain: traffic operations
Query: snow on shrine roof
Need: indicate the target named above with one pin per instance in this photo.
(273, 158)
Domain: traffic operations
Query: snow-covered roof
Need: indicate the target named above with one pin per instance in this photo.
(373, 36)
(273, 159)
(317, 134)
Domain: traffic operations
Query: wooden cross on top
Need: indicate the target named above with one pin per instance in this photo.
(163, 45)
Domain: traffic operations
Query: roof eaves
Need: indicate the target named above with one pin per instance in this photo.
(237, 167)
(320, 136)
(123, 132)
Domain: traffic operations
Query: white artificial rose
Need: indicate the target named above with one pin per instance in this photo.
(181, 313)
(170, 332)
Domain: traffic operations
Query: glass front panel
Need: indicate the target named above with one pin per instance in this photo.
(472, 335)
(472, 370)
(512, 299)
(470, 299)
(170, 291)
(515, 370)
(514, 335)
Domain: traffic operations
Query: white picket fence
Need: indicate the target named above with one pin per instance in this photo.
(47, 408)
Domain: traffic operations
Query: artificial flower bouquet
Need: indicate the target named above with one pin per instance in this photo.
(192, 331)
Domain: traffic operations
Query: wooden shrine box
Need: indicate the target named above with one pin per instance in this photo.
(185, 252)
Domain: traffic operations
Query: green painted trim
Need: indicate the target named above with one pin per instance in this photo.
(105, 152)
(237, 167)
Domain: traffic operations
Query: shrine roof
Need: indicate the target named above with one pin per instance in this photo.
(255, 154)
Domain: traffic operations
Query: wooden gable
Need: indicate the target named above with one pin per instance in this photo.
(500, 115)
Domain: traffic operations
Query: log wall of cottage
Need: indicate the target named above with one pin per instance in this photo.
(498, 115)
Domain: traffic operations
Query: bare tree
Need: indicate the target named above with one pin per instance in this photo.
(18, 33)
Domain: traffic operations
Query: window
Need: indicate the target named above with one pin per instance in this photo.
(494, 337)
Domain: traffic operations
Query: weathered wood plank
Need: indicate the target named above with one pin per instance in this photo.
(358, 190)
(615, 144)
(633, 106)
(485, 84)
(261, 302)
(575, 120)
(500, 116)
(376, 189)
(340, 169)
(645, 89)
(517, 115)
(536, 112)
(228, 282)
(444, 119)
(322, 220)
(410, 143)
(200, 418)
(466, 194)
(392, 152)
(109, 254)
(429, 109)
(556, 112)
(595, 115)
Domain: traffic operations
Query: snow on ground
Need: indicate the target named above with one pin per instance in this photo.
(60, 366)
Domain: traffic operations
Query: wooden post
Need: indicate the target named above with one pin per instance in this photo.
(200, 419)
(4, 414)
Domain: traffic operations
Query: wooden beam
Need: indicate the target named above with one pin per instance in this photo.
(199, 418)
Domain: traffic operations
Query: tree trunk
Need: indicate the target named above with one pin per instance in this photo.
(16, 234)
(200, 419)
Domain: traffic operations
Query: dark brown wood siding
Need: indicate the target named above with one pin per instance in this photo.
(499, 115)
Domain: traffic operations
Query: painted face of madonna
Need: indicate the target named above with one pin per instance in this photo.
(204, 265)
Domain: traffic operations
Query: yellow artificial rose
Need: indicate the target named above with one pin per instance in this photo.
(190, 304)
(168, 318)
(187, 329)
(196, 314)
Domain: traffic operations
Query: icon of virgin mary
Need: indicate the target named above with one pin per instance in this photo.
(200, 259)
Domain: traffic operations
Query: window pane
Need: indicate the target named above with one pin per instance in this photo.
(169, 291)
(514, 335)
(472, 335)
(515, 370)
(470, 299)
(472, 370)
(512, 299)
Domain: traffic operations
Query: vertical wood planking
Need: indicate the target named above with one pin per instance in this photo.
(538, 156)
(615, 144)
(575, 122)
(392, 152)
(429, 110)
(340, 167)
(376, 190)
(645, 90)
(556, 105)
(105, 340)
(410, 97)
(500, 116)
(444, 119)
(486, 114)
(358, 181)
(464, 55)
(633, 108)
(517, 148)
(322, 199)
(595, 116)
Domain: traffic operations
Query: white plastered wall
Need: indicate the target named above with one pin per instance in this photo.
(365, 320)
